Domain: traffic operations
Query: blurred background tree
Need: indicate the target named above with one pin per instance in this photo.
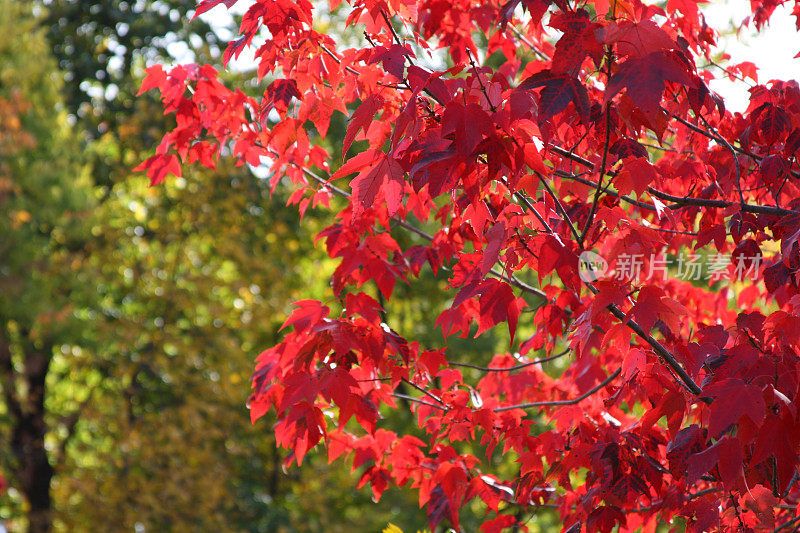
(101, 45)
(143, 309)
(45, 200)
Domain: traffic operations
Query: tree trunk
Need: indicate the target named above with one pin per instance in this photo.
(34, 471)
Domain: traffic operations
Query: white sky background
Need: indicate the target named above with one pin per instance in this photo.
(772, 50)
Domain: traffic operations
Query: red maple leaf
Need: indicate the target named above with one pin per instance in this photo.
(577, 43)
(558, 90)
(644, 80)
(361, 118)
(675, 391)
(160, 166)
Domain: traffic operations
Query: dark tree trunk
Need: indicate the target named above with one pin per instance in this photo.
(34, 470)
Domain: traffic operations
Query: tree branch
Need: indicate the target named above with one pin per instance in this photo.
(423, 391)
(735, 160)
(556, 403)
(417, 400)
(787, 525)
(7, 374)
(657, 347)
(510, 368)
(402, 223)
(599, 189)
(713, 137)
(683, 201)
(559, 205)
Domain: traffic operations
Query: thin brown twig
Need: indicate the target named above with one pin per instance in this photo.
(733, 153)
(787, 524)
(684, 201)
(559, 205)
(423, 391)
(402, 223)
(598, 191)
(511, 368)
(660, 351)
(556, 403)
(689, 497)
(529, 205)
(417, 400)
(529, 44)
(713, 137)
(480, 81)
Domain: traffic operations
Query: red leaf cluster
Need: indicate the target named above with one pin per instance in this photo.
(507, 174)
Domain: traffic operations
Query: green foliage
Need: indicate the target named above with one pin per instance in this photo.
(151, 304)
(43, 187)
(44, 202)
(99, 44)
(192, 285)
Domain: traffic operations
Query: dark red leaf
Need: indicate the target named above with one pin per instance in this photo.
(644, 79)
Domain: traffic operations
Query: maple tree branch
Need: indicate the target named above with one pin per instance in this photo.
(344, 194)
(726, 71)
(417, 400)
(559, 205)
(535, 212)
(735, 160)
(701, 131)
(391, 28)
(713, 137)
(423, 391)
(700, 202)
(413, 229)
(522, 198)
(662, 148)
(787, 525)
(792, 481)
(480, 81)
(736, 509)
(511, 368)
(336, 58)
(674, 231)
(402, 223)
(657, 347)
(571, 156)
(519, 284)
(353, 71)
(631, 201)
(555, 403)
(521, 36)
(683, 201)
(597, 192)
(406, 58)
(689, 497)
(628, 199)
(704, 492)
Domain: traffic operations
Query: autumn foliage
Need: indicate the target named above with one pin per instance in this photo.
(504, 155)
